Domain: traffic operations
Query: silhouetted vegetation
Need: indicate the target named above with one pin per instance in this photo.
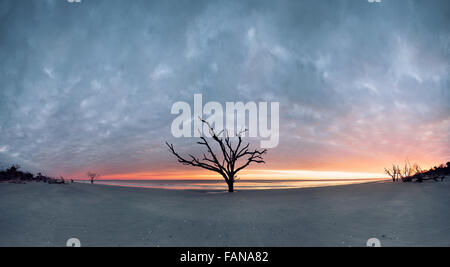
(93, 176)
(227, 163)
(413, 173)
(14, 175)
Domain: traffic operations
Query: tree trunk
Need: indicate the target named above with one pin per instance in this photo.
(92, 181)
(231, 187)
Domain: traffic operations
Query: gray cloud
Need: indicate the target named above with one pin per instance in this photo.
(90, 85)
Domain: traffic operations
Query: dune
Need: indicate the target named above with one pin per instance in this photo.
(400, 214)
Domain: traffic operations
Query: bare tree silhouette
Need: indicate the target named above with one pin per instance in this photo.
(92, 176)
(414, 173)
(394, 172)
(227, 164)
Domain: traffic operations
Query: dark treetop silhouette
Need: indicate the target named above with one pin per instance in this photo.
(93, 176)
(227, 164)
(15, 175)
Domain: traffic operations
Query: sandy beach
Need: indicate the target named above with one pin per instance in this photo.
(38, 214)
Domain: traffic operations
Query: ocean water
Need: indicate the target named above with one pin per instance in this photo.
(219, 185)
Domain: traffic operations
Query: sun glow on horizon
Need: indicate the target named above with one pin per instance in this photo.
(248, 175)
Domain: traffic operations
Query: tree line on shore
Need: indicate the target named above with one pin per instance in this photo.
(408, 173)
(14, 175)
(414, 173)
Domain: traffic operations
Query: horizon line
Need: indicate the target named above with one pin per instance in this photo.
(247, 175)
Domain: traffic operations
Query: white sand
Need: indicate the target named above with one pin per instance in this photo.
(397, 214)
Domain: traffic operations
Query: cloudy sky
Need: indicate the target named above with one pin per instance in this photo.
(90, 85)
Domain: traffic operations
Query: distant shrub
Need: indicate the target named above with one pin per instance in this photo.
(14, 175)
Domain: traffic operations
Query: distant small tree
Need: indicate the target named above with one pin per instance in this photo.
(14, 168)
(406, 174)
(93, 176)
(394, 173)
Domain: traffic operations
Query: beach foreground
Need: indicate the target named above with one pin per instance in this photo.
(38, 214)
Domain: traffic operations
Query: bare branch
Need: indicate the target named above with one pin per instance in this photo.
(226, 167)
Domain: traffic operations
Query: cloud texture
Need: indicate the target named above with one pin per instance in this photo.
(90, 85)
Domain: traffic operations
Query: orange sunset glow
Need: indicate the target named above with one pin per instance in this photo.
(331, 168)
(247, 175)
